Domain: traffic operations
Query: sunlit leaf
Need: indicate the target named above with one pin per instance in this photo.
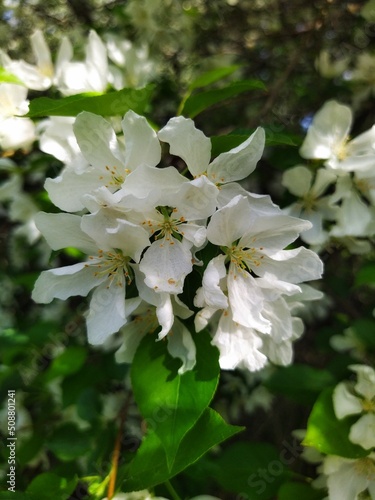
(112, 104)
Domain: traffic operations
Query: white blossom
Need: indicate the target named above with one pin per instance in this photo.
(358, 399)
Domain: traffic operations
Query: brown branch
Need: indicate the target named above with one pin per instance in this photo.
(117, 448)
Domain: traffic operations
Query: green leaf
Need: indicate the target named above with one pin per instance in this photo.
(49, 485)
(366, 275)
(29, 448)
(70, 361)
(197, 103)
(172, 403)
(327, 433)
(149, 467)
(18, 495)
(89, 404)
(6, 77)
(68, 442)
(213, 76)
(255, 469)
(291, 491)
(111, 104)
(300, 382)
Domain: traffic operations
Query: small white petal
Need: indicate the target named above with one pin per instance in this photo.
(141, 143)
(64, 230)
(363, 431)
(187, 142)
(211, 294)
(329, 129)
(97, 141)
(239, 162)
(297, 180)
(344, 402)
(365, 385)
(165, 265)
(65, 282)
(181, 345)
(107, 312)
(246, 300)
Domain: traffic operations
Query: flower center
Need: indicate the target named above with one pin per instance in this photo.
(245, 258)
(117, 178)
(113, 266)
(365, 467)
(341, 150)
(368, 405)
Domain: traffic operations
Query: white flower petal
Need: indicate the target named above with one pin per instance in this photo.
(181, 345)
(107, 312)
(211, 294)
(116, 233)
(363, 431)
(64, 230)
(65, 282)
(297, 180)
(165, 265)
(97, 141)
(344, 402)
(197, 199)
(238, 346)
(147, 187)
(293, 266)
(188, 143)
(239, 162)
(230, 222)
(67, 190)
(246, 300)
(329, 129)
(164, 313)
(365, 385)
(141, 143)
(346, 483)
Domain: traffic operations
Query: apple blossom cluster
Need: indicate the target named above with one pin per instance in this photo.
(349, 478)
(131, 67)
(148, 232)
(339, 198)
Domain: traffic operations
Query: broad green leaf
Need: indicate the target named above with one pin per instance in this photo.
(197, 103)
(29, 448)
(13, 346)
(17, 495)
(69, 361)
(292, 491)
(111, 104)
(172, 403)
(68, 442)
(300, 382)
(213, 76)
(6, 77)
(256, 469)
(89, 404)
(49, 485)
(150, 467)
(366, 275)
(327, 433)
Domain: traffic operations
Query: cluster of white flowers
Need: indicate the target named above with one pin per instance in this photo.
(350, 478)
(144, 225)
(132, 68)
(347, 213)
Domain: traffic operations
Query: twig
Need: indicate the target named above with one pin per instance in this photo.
(117, 448)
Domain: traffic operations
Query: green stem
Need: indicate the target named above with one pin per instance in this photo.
(172, 491)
